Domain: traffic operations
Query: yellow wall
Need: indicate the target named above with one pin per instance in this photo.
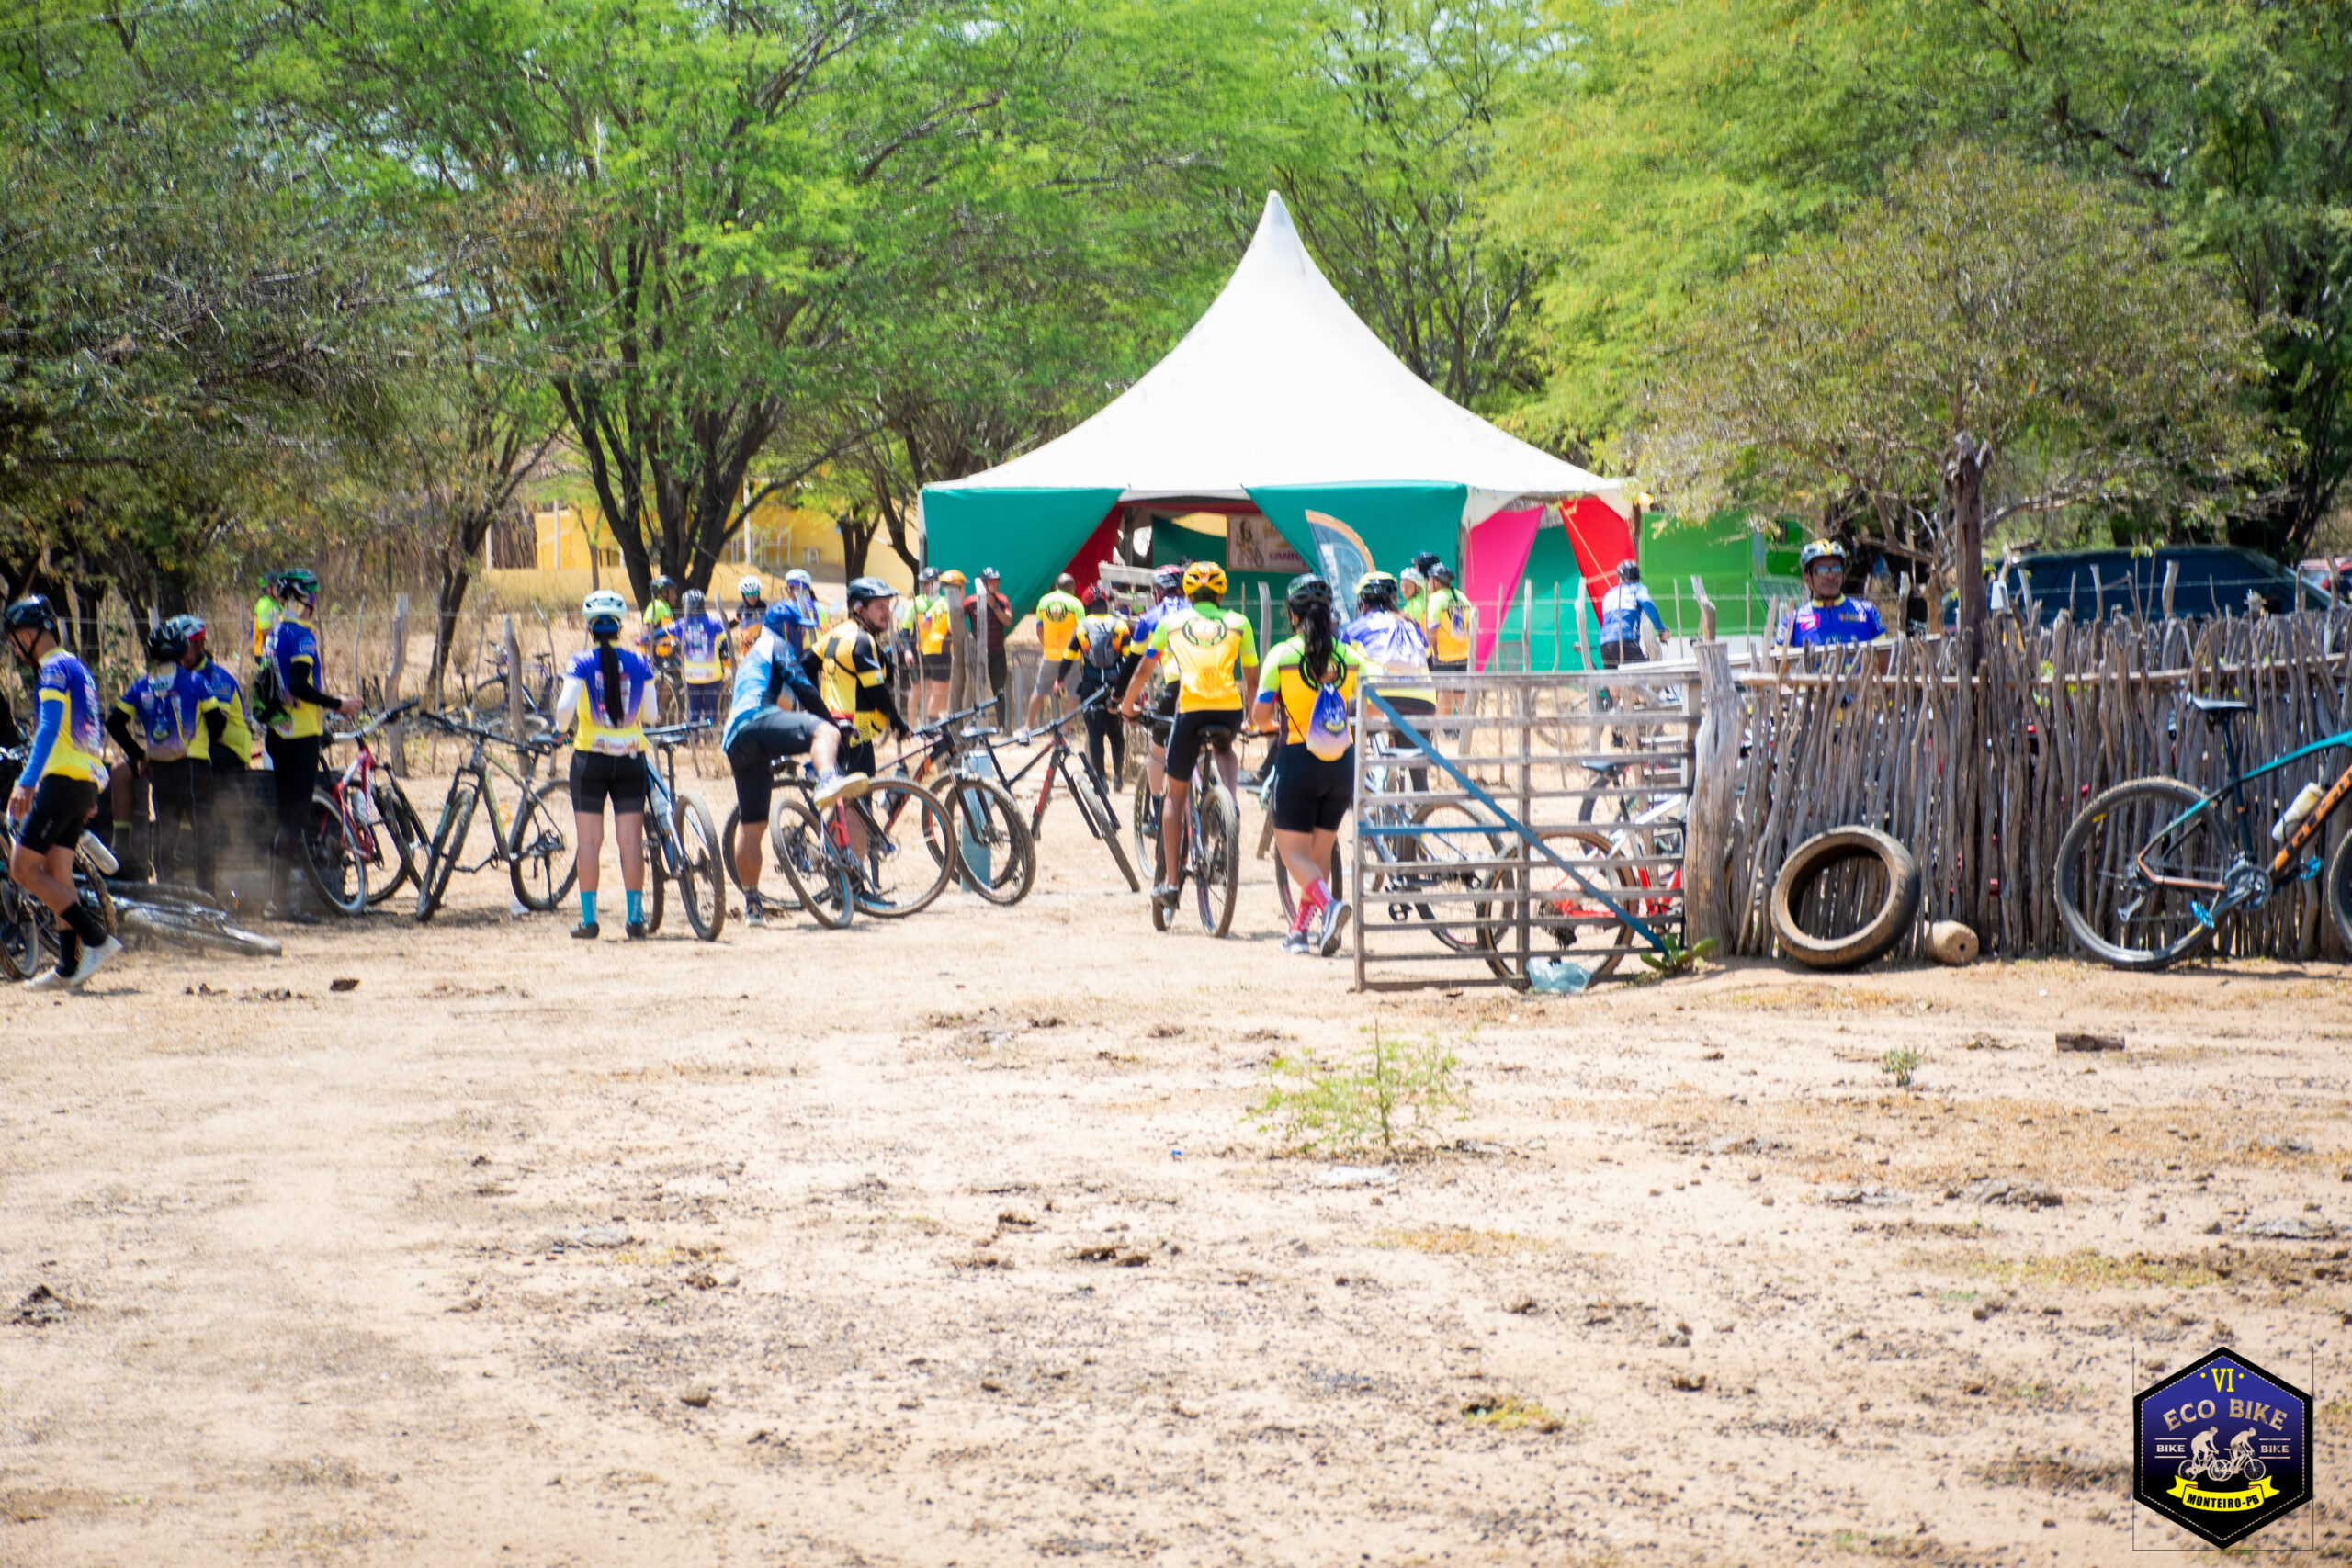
(775, 538)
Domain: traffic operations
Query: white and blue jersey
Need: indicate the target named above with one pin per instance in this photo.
(763, 676)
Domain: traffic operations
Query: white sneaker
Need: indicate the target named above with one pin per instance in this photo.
(1335, 920)
(753, 915)
(92, 960)
(48, 980)
(833, 786)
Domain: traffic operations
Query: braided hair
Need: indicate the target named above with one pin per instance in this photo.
(608, 665)
(1309, 602)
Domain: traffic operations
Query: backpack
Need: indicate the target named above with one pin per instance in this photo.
(1103, 644)
(1330, 727)
(268, 696)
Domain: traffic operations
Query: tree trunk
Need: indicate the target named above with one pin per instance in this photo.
(447, 602)
(1964, 492)
(857, 543)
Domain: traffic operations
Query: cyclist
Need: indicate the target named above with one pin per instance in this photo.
(1310, 679)
(264, 624)
(659, 612)
(1393, 647)
(161, 721)
(1831, 618)
(228, 741)
(1102, 650)
(990, 614)
(846, 664)
(608, 698)
(926, 619)
(1413, 584)
(1445, 617)
(1167, 587)
(57, 791)
(1622, 610)
(799, 605)
(1215, 655)
(750, 616)
(761, 730)
(1059, 614)
(938, 662)
(296, 728)
(704, 653)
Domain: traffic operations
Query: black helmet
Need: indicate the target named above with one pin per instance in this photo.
(1441, 572)
(32, 612)
(300, 581)
(1169, 578)
(663, 583)
(865, 590)
(190, 627)
(166, 643)
(1306, 589)
(1426, 559)
(1629, 570)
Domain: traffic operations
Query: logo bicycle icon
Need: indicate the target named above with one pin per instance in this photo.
(2182, 1470)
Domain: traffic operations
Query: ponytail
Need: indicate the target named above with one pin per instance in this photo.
(608, 665)
(1313, 619)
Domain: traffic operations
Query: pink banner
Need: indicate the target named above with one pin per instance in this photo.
(1493, 563)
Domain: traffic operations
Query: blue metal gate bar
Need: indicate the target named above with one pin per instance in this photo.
(1470, 787)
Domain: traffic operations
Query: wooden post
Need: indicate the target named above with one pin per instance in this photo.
(1964, 483)
(1706, 608)
(1707, 838)
(2172, 580)
(514, 682)
(395, 744)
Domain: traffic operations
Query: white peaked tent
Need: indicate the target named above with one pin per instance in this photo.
(1279, 387)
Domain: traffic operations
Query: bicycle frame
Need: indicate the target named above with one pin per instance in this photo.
(482, 767)
(2286, 865)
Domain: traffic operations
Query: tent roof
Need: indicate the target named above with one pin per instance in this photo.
(1279, 384)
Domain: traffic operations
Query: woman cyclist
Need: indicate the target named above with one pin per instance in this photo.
(1310, 679)
(609, 693)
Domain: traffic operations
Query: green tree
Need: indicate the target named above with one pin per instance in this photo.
(1995, 334)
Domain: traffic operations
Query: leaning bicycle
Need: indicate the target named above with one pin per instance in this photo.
(884, 849)
(2150, 871)
(681, 845)
(536, 847)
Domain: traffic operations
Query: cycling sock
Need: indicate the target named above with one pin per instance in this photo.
(83, 924)
(587, 906)
(636, 899)
(1319, 893)
(69, 950)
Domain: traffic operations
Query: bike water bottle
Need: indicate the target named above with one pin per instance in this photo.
(2305, 800)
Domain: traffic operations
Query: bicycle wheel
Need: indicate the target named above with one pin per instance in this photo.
(821, 883)
(726, 840)
(2338, 884)
(448, 842)
(1141, 828)
(488, 701)
(2134, 868)
(338, 864)
(541, 860)
(1219, 856)
(996, 856)
(388, 844)
(1431, 864)
(1094, 805)
(896, 873)
(702, 884)
(656, 859)
(20, 933)
(1565, 920)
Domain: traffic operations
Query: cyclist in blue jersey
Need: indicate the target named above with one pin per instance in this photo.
(776, 712)
(297, 731)
(1832, 618)
(610, 695)
(704, 652)
(1167, 590)
(1622, 610)
(56, 794)
(164, 722)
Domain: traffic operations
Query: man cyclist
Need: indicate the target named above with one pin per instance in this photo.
(776, 713)
(1059, 614)
(750, 616)
(799, 605)
(1622, 610)
(163, 722)
(1831, 619)
(850, 672)
(1102, 647)
(704, 652)
(991, 619)
(295, 734)
(1167, 590)
(228, 741)
(56, 794)
(1215, 655)
(659, 602)
(938, 625)
(264, 624)
(927, 629)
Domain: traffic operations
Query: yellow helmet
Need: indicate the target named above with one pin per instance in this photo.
(953, 577)
(1203, 574)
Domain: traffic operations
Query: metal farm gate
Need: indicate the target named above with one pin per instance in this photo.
(1545, 821)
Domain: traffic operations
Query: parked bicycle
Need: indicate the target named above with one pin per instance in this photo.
(2150, 871)
(536, 848)
(681, 845)
(995, 855)
(886, 852)
(364, 832)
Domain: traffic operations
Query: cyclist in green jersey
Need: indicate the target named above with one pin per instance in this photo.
(1215, 655)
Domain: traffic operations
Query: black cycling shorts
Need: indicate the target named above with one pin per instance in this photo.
(1163, 718)
(751, 756)
(61, 806)
(1449, 666)
(1184, 740)
(598, 776)
(935, 666)
(1310, 793)
(858, 758)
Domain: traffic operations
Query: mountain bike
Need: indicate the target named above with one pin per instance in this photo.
(169, 911)
(27, 926)
(994, 853)
(535, 850)
(680, 845)
(363, 834)
(886, 851)
(1211, 859)
(2150, 870)
(1082, 782)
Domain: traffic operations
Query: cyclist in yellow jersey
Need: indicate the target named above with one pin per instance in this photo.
(57, 791)
(931, 639)
(265, 625)
(297, 667)
(1059, 613)
(609, 697)
(1215, 656)
(1309, 687)
(1445, 617)
(854, 682)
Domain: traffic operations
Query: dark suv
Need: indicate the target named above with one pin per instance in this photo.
(2212, 579)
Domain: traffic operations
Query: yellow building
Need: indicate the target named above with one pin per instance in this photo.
(576, 551)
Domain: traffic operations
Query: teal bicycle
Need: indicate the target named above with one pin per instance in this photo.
(2151, 870)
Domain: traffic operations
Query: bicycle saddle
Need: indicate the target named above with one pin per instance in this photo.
(1217, 735)
(2218, 710)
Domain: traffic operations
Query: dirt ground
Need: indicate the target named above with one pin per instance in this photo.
(945, 1242)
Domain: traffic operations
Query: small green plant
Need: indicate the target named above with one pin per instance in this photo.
(1900, 1065)
(1677, 959)
(1387, 1097)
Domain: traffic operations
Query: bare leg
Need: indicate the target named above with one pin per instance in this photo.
(589, 833)
(48, 877)
(629, 828)
(1174, 822)
(1298, 852)
(747, 853)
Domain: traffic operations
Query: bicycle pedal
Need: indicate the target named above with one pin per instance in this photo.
(2203, 913)
(2310, 869)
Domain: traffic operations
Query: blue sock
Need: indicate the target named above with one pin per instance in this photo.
(587, 908)
(636, 907)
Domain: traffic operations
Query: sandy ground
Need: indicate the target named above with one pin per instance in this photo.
(947, 1242)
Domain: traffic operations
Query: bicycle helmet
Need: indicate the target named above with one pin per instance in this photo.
(1423, 562)
(952, 579)
(797, 578)
(865, 590)
(605, 610)
(1376, 591)
(692, 602)
(1441, 575)
(751, 591)
(1629, 571)
(299, 582)
(663, 585)
(166, 643)
(1169, 578)
(928, 574)
(1306, 589)
(1203, 577)
(32, 612)
(991, 574)
(1820, 549)
(191, 629)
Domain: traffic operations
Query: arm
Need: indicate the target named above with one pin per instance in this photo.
(119, 726)
(649, 710)
(1649, 608)
(304, 686)
(567, 702)
(1135, 684)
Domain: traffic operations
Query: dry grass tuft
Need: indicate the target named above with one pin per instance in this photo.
(1454, 1241)
(2055, 1472)
(1511, 1414)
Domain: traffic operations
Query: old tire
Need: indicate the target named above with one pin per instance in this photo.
(1891, 902)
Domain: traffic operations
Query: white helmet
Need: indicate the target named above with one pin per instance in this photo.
(751, 588)
(605, 605)
(799, 579)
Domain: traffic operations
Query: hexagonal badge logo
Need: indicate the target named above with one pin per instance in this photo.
(2223, 1448)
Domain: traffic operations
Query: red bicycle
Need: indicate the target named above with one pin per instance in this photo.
(364, 833)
